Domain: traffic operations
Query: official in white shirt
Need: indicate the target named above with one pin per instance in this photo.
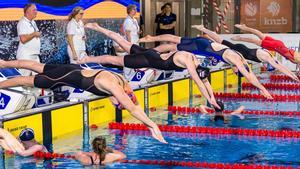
(76, 35)
(29, 36)
(131, 25)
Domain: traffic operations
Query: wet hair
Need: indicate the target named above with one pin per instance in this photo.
(74, 12)
(99, 147)
(168, 4)
(221, 106)
(130, 8)
(27, 6)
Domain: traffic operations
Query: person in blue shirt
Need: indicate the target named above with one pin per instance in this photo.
(167, 21)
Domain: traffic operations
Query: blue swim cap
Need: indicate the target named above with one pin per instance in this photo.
(26, 134)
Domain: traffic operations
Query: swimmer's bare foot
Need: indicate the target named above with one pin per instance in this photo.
(92, 25)
(147, 38)
(240, 26)
(2, 63)
(199, 27)
(236, 38)
(84, 60)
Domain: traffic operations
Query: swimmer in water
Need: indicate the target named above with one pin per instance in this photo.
(31, 146)
(219, 115)
(101, 154)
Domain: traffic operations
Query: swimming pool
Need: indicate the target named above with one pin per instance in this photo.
(138, 145)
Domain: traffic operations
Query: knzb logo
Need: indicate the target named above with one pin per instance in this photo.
(274, 8)
(250, 9)
(4, 100)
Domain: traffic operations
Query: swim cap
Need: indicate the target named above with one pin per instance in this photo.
(26, 134)
(269, 67)
(132, 98)
(219, 117)
(221, 105)
(203, 72)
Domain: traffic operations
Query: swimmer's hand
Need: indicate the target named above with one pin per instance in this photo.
(296, 78)
(266, 94)
(214, 103)
(156, 133)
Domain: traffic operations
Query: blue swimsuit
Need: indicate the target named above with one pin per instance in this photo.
(201, 46)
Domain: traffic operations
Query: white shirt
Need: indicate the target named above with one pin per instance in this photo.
(77, 30)
(131, 24)
(31, 47)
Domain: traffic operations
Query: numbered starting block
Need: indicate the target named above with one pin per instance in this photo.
(17, 98)
(138, 77)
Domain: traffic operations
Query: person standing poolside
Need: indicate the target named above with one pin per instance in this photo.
(76, 35)
(29, 37)
(167, 21)
(131, 26)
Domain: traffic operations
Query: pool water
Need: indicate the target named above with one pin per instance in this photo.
(184, 146)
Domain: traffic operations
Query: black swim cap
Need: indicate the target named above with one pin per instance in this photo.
(221, 105)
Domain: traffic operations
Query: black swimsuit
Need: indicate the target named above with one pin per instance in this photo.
(148, 58)
(250, 54)
(92, 160)
(59, 75)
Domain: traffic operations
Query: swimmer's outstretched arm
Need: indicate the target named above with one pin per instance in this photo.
(210, 92)
(31, 150)
(210, 33)
(190, 65)
(135, 110)
(248, 75)
(161, 38)
(203, 109)
(9, 142)
(238, 112)
(277, 65)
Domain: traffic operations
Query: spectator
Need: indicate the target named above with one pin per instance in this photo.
(167, 21)
(76, 35)
(29, 37)
(131, 26)
(157, 21)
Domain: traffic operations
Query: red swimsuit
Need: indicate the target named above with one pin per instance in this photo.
(276, 45)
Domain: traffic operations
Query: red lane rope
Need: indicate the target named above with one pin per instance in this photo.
(196, 110)
(209, 130)
(205, 164)
(281, 77)
(248, 96)
(48, 155)
(282, 86)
